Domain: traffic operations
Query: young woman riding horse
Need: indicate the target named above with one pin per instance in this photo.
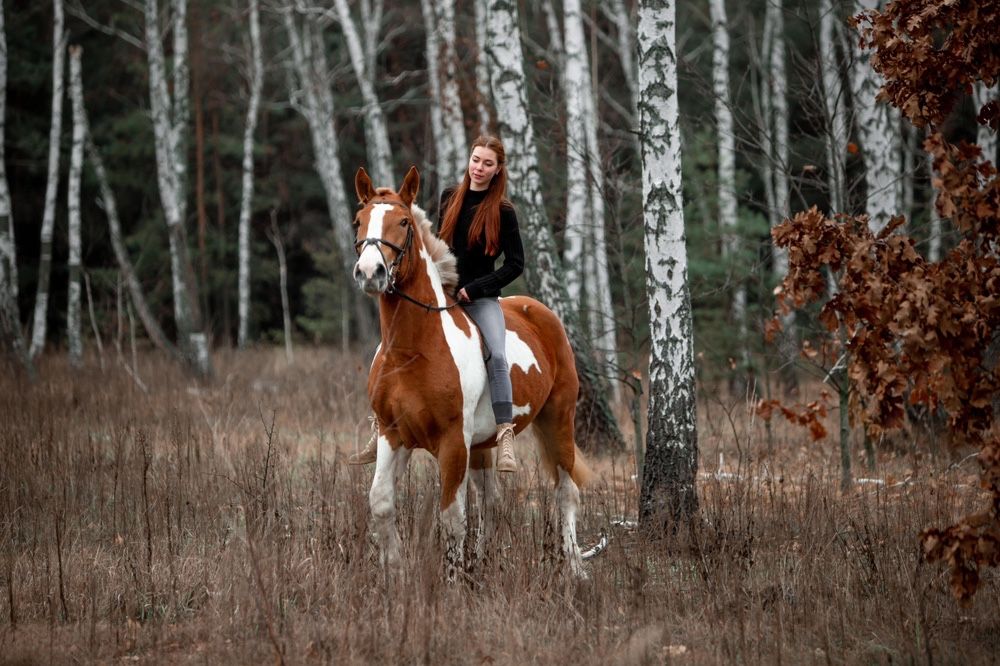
(479, 224)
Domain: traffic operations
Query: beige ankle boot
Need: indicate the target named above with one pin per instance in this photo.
(505, 448)
(370, 452)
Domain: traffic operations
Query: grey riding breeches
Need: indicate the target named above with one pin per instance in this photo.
(488, 316)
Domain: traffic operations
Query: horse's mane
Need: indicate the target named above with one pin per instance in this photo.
(444, 260)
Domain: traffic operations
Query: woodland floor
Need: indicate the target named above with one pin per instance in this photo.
(168, 526)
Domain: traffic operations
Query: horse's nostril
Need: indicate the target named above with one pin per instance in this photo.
(379, 271)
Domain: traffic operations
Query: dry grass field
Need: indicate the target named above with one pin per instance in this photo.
(217, 524)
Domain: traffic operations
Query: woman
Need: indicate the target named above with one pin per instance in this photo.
(479, 224)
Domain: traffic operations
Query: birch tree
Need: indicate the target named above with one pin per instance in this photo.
(545, 276)
(727, 162)
(586, 256)
(482, 67)
(246, 201)
(312, 97)
(620, 16)
(878, 125)
(447, 123)
(170, 126)
(73, 316)
(834, 108)
(776, 121)
(11, 339)
(986, 138)
(671, 463)
(376, 133)
(40, 320)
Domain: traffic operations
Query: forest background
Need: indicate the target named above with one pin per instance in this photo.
(288, 189)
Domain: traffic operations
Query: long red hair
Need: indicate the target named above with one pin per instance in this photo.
(486, 223)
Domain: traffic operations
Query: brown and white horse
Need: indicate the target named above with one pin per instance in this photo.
(428, 384)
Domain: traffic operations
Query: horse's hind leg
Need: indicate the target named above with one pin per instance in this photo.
(453, 459)
(554, 426)
(382, 499)
(484, 476)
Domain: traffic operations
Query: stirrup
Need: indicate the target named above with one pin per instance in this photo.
(505, 448)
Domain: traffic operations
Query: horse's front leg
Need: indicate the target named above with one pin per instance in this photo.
(484, 475)
(453, 459)
(382, 499)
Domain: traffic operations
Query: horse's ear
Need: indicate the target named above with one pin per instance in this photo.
(408, 190)
(363, 186)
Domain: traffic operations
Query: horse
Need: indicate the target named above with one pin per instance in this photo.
(428, 386)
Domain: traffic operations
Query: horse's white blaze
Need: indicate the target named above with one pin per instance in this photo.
(371, 257)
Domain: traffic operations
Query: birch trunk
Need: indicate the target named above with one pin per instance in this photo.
(73, 303)
(279, 247)
(40, 321)
(597, 281)
(447, 124)
(376, 133)
(671, 461)
(594, 418)
(986, 138)
(8, 255)
(622, 19)
(934, 224)
(483, 101)
(575, 82)
(11, 339)
(727, 168)
(170, 118)
(314, 100)
(834, 108)
(246, 202)
(878, 126)
(779, 97)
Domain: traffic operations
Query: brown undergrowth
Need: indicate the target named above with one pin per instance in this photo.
(216, 524)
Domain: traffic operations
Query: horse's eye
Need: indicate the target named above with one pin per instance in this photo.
(405, 222)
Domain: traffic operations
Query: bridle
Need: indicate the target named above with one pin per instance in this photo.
(401, 253)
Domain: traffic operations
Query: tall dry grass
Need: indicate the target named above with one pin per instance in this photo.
(217, 524)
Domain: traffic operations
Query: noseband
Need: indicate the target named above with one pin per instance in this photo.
(392, 270)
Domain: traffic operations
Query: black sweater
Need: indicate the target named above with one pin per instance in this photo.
(476, 269)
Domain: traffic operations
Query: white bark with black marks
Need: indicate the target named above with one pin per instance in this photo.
(545, 275)
(170, 120)
(986, 138)
(575, 85)
(447, 123)
(8, 254)
(727, 165)
(779, 109)
(40, 320)
(484, 99)
(879, 130)
(671, 461)
(834, 107)
(246, 200)
(376, 133)
(74, 300)
(11, 339)
(580, 90)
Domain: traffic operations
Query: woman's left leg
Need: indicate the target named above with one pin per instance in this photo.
(489, 318)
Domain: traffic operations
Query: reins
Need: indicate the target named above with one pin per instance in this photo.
(401, 253)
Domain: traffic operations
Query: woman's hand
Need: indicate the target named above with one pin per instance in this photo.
(462, 296)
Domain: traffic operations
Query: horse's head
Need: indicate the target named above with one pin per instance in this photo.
(384, 231)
